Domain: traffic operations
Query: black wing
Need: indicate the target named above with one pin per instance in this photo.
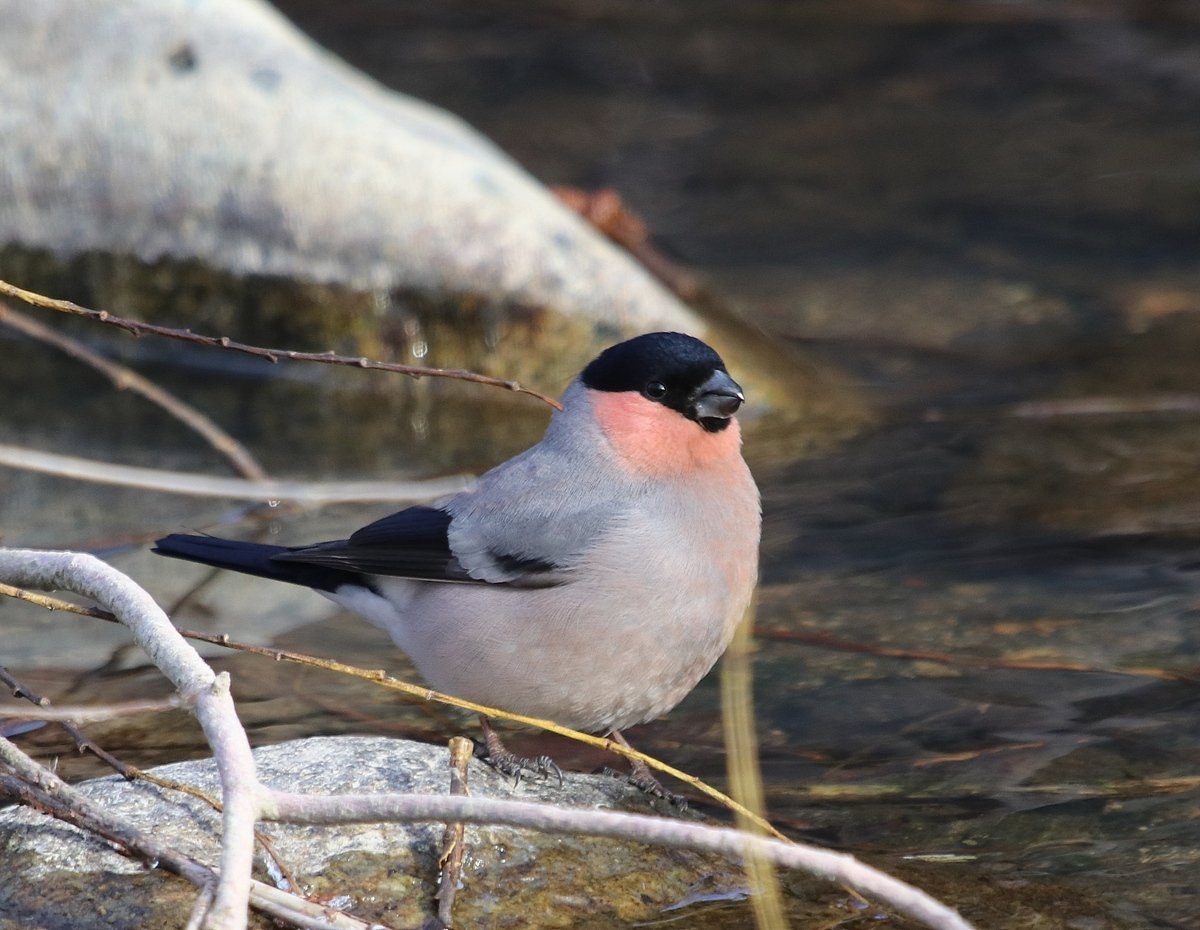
(413, 543)
(408, 544)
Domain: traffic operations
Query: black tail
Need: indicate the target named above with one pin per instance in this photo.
(254, 559)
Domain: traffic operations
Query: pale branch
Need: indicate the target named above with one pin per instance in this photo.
(214, 708)
(383, 680)
(43, 791)
(138, 328)
(174, 482)
(62, 713)
(125, 378)
(1067, 407)
(49, 794)
(1103, 406)
(247, 800)
(662, 831)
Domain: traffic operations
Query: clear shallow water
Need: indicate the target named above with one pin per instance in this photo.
(960, 213)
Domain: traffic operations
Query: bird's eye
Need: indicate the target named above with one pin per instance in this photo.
(655, 390)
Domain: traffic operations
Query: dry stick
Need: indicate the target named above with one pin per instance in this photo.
(453, 848)
(61, 714)
(1078, 407)
(247, 799)
(40, 789)
(745, 774)
(124, 378)
(735, 844)
(1132, 788)
(837, 792)
(53, 796)
(214, 708)
(83, 742)
(174, 482)
(132, 772)
(138, 328)
(381, 678)
(827, 641)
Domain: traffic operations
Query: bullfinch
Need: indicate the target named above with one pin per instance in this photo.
(593, 579)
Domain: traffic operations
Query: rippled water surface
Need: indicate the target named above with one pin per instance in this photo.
(980, 613)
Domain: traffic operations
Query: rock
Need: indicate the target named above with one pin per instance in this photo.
(215, 131)
(57, 876)
(203, 163)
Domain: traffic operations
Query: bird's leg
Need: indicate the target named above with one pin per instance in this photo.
(641, 777)
(499, 758)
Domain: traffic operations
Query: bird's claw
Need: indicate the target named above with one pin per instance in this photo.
(644, 781)
(498, 756)
(509, 763)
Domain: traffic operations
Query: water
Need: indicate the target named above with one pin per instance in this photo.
(978, 625)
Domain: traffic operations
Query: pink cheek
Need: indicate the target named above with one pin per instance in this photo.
(651, 439)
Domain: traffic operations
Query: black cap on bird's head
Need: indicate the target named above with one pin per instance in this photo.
(672, 369)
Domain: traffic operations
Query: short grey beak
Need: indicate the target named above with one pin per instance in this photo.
(719, 397)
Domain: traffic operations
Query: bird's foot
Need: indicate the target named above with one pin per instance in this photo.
(502, 760)
(640, 777)
(643, 779)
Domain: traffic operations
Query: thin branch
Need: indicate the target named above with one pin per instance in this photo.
(48, 793)
(1064, 407)
(93, 714)
(383, 680)
(124, 378)
(735, 844)
(41, 790)
(214, 708)
(828, 641)
(137, 328)
(174, 482)
(247, 800)
(171, 784)
(83, 742)
(743, 768)
(453, 838)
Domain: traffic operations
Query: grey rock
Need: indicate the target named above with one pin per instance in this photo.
(215, 130)
(56, 875)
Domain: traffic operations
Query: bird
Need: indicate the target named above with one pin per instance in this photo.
(592, 579)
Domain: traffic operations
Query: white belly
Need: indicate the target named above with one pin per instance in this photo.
(620, 644)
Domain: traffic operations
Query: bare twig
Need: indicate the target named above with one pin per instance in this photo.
(45, 791)
(174, 482)
(83, 742)
(383, 680)
(93, 714)
(214, 707)
(828, 641)
(171, 784)
(838, 867)
(41, 790)
(451, 858)
(124, 378)
(745, 774)
(247, 800)
(137, 328)
(605, 211)
(1063, 407)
